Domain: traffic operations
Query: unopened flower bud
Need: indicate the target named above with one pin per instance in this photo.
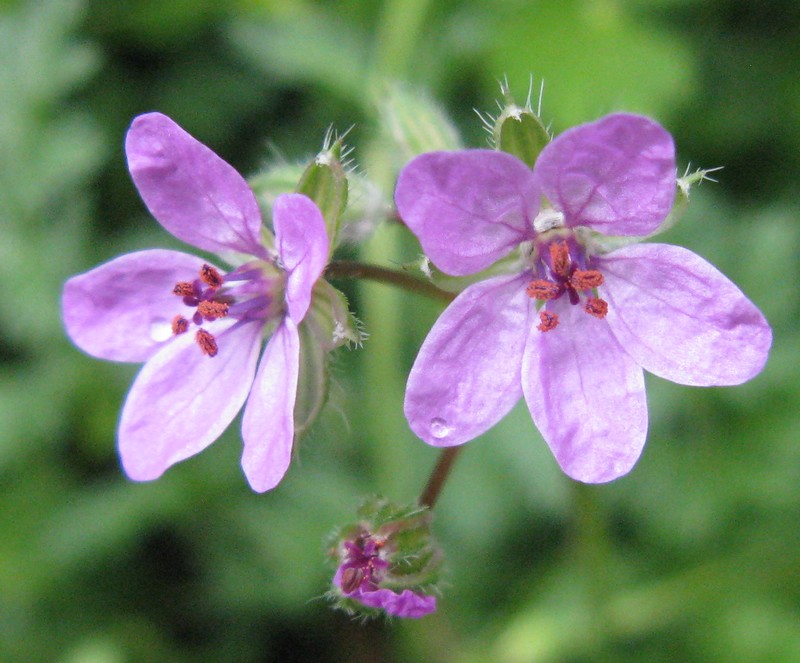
(519, 130)
(387, 562)
(325, 182)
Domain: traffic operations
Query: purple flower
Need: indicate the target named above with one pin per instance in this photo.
(198, 327)
(571, 327)
(365, 567)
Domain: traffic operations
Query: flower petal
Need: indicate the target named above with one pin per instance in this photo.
(616, 175)
(467, 374)
(680, 318)
(183, 400)
(405, 604)
(586, 396)
(268, 422)
(468, 208)
(193, 193)
(123, 309)
(302, 243)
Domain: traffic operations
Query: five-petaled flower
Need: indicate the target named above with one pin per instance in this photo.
(199, 328)
(571, 328)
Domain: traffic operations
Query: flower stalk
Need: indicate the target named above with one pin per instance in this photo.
(439, 476)
(353, 269)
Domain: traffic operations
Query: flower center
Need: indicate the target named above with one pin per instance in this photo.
(244, 294)
(561, 274)
(363, 567)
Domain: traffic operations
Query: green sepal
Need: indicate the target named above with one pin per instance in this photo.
(681, 202)
(327, 325)
(520, 132)
(330, 318)
(313, 381)
(325, 182)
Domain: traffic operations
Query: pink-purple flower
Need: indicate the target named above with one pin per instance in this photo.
(568, 326)
(365, 567)
(199, 327)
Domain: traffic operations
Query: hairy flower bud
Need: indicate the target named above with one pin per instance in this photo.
(518, 130)
(387, 562)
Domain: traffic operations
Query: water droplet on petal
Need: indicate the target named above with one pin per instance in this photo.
(160, 330)
(439, 428)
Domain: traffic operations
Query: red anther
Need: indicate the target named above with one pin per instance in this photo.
(210, 276)
(549, 321)
(559, 258)
(211, 310)
(207, 343)
(179, 325)
(542, 289)
(351, 579)
(183, 289)
(596, 307)
(586, 279)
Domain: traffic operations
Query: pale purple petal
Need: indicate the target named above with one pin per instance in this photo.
(616, 175)
(406, 604)
(183, 400)
(468, 208)
(586, 396)
(268, 422)
(682, 319)
(193, 193)
(123, 309)
(302, 243)
(467, 374)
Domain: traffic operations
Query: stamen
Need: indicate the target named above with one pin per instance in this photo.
(351, 579)
(549, 321)
(586, 279)
(207, 342)
(211, 310)
(559, 258)
(596, 307)
(542, 289)
(210, 276)
(183, 289)
(179, 325)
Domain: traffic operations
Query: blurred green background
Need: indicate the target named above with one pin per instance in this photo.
(692, 557)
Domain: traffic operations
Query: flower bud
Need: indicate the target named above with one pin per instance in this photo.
(413, 124)
(387, 562)
(325, 182)
(519, 130)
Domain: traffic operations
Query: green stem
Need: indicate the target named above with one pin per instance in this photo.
(343, 269)
(438, 477)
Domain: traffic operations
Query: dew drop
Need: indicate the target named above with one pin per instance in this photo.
(160, 330)
(439, 428)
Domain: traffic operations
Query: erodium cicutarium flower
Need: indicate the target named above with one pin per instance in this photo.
(199, 327)
(570, 327)
(387, 562)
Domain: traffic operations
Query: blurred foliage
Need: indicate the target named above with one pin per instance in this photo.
(692, 557)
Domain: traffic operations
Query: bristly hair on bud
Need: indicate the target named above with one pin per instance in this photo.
(325, 181)
(517, 130)
(387, 563)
